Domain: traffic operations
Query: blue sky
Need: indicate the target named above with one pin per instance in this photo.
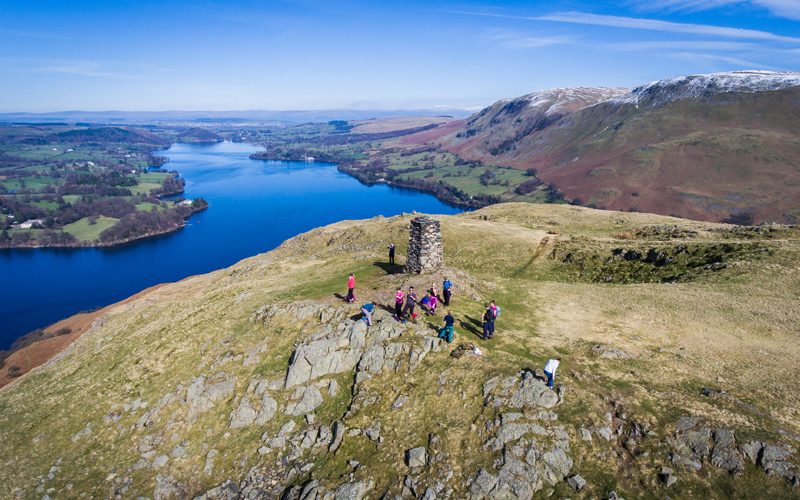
(308, 54)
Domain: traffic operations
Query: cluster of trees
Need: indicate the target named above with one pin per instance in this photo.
(139, 224)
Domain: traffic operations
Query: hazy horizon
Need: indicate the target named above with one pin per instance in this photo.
(298, 55)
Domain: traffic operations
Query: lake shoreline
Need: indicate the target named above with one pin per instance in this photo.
(444, 196)
(114, 243)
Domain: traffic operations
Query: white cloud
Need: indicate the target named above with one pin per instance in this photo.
(782, 8)
(663, 26)
(514, 39)
(681, 45)
(586, 18)
(733, 61)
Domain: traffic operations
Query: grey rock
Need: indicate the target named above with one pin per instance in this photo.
(160, 461)
(373, 432)
(179, 451)
(576, 482)
(752, 450)
(168, 487)
(243, 415)
(523, 391)
(399, 402)
(586, 435)
(208, 469)
(725, 455)
(774, 460)
(204, 393)
(225, 491)
(558, 465)
(333, 353)
(267, 411)
(417, 457)
(338, 435)
(606, 433)
(86, 431)
(352, 491)
(667, 476)
(608, 352)
(304, 400)
(373, 360)
(483, 484)
(333, 388)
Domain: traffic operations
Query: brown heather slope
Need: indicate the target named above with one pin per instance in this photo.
(715, 156)
(41, 351)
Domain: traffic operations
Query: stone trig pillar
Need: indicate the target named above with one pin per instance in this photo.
(424, 246)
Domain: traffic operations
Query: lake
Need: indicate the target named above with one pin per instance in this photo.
(254, 205)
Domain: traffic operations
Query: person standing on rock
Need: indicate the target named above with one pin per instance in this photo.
(550, 371)
(446, 332)
(367, 309)
(411, 303)
(487, 320)
(398, 304)
(391, 253)
(447, 291)
(351, 288)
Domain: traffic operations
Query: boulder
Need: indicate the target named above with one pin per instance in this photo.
(483, 484)
(725, 455)
(304, 400)
(417, 457)
(204, 393)
(327, 353)
(576, 482)
(338, 435)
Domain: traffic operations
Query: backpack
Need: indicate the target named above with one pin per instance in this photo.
(496, 312)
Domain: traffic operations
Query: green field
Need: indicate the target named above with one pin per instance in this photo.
(47, 205)
(71, 198)
(148, 182)
(85, 231)
(146, 206)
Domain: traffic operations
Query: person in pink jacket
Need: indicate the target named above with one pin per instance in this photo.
(399, 297)
(351, 288)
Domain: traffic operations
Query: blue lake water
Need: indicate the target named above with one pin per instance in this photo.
(253, 206)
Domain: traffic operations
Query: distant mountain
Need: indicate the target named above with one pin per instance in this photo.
(258, 117)
(723, 146)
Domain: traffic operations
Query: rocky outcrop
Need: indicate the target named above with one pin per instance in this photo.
(534, 449)
(694, 443)
(524, 390)
(247, 413)
(204, 393)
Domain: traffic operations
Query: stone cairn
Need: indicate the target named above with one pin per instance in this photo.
(424, 246)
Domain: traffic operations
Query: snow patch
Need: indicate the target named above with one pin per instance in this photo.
(693, 86)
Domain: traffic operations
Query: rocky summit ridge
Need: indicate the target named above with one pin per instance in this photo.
(257, 381)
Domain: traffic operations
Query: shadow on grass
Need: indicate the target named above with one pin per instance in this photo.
(472, 326)
(389, 268)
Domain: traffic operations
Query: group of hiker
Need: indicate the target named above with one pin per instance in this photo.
(405, 304)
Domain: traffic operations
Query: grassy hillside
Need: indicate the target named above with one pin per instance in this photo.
(193, 386)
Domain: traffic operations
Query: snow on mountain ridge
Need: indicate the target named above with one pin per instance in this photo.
(556, 99)
(692, 86)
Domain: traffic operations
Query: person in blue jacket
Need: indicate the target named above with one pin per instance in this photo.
(367, 309)
(447, 291)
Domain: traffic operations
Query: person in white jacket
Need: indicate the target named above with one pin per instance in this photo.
(550, 370)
